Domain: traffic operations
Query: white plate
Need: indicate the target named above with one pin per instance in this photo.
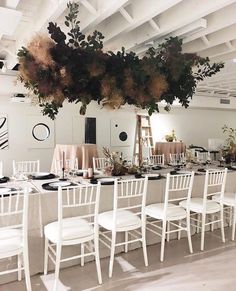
(58, 184)
(5, 190)
(183, 172)
(1, 177)
(152, 175)
(106, 180)
(40, 174)
(233, 167)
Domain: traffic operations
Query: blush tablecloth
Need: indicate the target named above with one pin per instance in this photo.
(168, 148)
(84, 153)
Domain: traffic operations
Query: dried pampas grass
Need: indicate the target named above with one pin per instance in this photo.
(39, 48)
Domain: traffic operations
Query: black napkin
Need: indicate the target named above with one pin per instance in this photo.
(95, 181)
(155, 168)
(4, 179)
(46, 177)
(202, 170)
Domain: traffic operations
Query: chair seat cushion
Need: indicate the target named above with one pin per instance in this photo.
(174, 212)
(196, 205)
(72, 228)
(229, 199)
(11, 241)
(125, 220)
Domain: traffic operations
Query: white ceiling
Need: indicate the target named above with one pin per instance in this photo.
(208, 27)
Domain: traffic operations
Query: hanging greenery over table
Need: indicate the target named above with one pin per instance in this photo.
(75, 68)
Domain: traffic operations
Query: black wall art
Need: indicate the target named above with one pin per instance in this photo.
(4, 143)
(122, 132)
(90, 130)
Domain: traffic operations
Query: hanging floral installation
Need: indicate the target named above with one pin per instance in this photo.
(74, 67)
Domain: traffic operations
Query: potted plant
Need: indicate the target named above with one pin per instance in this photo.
(229, 150)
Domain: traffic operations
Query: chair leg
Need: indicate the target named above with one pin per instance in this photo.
(97, 257)
(126, 240)
(163, 240)
(19, 265)
(212, 224)
(144, 244)
(113, 244)
(168, 234)
(198, 222)
(234, 222)
(189, 234)
(179, 232)
(45, 257)
(203, 231)
(230, 216)
(57, 267)
(26, 268)
(82, 254)
(222, 224)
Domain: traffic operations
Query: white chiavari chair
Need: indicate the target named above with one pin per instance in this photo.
(25, 167)
(127, 216)
(70, 164)
(14, 232)
(205, 207)
(68, 231)
(99, 164)
(203, 156)
(178, 158)
(157, 160)
(168, 213)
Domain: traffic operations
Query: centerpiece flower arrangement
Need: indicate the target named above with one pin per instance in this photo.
(73, 67)
(171, 137)
(116, 166)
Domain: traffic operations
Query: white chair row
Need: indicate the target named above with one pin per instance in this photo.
(130, 215)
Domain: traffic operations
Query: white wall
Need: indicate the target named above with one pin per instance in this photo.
(69, 129)
(193, 126)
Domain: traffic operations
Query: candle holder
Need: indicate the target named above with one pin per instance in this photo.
(63, 175)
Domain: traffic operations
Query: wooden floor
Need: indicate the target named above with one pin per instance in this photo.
(211, 270)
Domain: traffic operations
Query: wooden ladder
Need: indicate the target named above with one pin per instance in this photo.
(143, 136)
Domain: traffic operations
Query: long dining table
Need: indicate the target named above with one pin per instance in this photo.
(43, 210)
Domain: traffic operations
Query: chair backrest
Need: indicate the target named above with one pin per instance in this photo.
(26, 167)
(70, 164)
(178, 187)
(82, 200)
(99, 164)
(157, 159)
(203, 156)
(1, 168)
(14, 211)
(215, 181)
(177, 158)
(130, 195)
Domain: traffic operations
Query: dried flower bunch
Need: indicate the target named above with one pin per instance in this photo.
(74, 67)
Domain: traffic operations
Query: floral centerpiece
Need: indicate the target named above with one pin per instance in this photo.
(73, 67)
(229, 149)
(116, 166)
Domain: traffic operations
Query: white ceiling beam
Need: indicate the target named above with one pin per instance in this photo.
(108, 8)
(9, 3)
(126, 15)
(205, 40)
(89, 7)
(142, 12)
(219, 37)
(192, 11)
(154, 25)
(216, 21)
(9, 19)
(229, 45)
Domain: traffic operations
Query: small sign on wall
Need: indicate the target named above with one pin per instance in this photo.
(40, 132)
(4, 141)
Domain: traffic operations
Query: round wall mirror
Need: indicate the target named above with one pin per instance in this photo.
(41, 132)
